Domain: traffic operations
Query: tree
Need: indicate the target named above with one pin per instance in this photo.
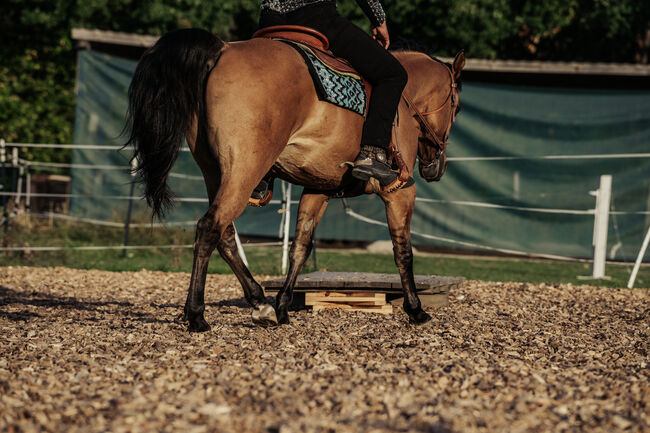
(38, 68)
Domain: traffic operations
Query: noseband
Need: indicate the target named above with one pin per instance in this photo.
(435, 168)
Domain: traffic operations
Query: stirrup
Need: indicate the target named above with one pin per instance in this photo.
(398, 183)
(376, 156)
(260, 198)
(259, 202)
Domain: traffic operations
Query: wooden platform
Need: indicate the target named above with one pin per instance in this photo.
(432, 290)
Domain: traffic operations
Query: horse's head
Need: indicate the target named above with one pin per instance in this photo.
(442, 106)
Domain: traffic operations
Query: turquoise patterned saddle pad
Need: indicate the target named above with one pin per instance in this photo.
(343, 88)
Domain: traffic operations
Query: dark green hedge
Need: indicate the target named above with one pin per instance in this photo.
(37, 67)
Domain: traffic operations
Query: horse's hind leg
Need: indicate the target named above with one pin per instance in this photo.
(206, 239)
(263, 313)
(399, 210)
(215, 230)
(310, 211)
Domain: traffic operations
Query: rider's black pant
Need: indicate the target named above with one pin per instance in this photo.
(378, 66)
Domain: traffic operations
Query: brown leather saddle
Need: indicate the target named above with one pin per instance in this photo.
(318, 44)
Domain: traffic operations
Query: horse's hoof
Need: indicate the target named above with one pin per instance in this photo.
(264, 315)
(419, 317)
(283, 317)
(198, 325)
(181, 318)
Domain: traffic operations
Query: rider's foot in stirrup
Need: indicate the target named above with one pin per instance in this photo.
(260, 190)
(372, 162)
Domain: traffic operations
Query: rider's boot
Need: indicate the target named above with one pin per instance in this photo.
(372, 162)
(260, 190)
(263, 192)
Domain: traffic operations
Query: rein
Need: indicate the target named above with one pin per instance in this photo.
(440, 144)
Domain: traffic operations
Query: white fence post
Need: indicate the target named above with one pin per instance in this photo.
(5, 190)
(639, 259)
(601, 225)
(287, 223)
(240, 248)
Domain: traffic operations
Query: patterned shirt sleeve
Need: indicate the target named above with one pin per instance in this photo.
(373, 10)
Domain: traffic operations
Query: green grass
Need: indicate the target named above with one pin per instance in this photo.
(266, 260)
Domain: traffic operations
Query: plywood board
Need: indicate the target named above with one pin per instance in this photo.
(363, 281)
(368, 298)
(383, 309)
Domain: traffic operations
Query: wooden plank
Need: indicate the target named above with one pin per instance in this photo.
(384, 309)
(427, 300)
(345, 304)
(432, 290)
(362, 281)
(110, 37)
(341, 297)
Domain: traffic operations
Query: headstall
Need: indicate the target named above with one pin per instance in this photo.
(440, 144)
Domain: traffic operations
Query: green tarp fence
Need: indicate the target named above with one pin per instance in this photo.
(481, 200)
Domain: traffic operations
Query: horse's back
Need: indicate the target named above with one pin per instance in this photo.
(261, 100)
(254, 76)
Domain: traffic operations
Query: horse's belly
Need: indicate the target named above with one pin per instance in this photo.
(315, 165)
(317, 151)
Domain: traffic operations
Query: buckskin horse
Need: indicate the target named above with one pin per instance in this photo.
(249, 108)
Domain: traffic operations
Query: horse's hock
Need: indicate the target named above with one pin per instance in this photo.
(432, 290)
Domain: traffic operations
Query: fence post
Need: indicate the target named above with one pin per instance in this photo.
(127, 223)
(240, 248)
(313, 253)
(3, 157)
(601, 225)
(283, 206)
(17, 178)
(639, 259)
(28, 194)
(287, 223)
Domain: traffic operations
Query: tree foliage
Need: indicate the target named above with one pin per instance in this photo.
(38, 68)
(561, 30)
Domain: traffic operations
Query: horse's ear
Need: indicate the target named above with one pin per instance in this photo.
(459, 64)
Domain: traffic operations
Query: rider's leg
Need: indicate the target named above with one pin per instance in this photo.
(388, 78)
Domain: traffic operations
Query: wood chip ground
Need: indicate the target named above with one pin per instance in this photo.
(94, 351)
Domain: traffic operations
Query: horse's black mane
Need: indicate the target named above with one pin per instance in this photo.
(409, 46)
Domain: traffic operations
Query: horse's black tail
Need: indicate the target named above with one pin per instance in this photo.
(166, 93)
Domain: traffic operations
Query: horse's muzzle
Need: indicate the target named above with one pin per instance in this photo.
(433, 171)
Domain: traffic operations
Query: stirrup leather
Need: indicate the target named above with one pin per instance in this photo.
(403, 179)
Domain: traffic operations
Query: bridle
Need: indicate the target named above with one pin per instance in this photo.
(441, 144)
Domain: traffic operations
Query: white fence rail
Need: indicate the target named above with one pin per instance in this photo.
(601, 212)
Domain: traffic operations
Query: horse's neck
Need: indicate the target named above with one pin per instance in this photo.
(429, 80)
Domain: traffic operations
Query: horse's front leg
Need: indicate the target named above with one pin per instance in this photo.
(310, 211)
(399, 210)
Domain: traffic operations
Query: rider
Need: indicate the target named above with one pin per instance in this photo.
(370, 59)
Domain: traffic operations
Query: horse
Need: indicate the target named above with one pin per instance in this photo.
(249, 108)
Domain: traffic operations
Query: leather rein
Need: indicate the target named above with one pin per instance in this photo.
(441, 144)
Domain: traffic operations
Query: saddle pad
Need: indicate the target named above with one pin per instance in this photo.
(344, 89)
